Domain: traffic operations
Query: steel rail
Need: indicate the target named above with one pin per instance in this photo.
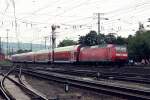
(8, 96)
(92, 84)
(4, 91)
(41, 97)
(114, 76)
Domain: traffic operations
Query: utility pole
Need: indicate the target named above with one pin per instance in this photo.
(45, 41)
(53, 41)
(98, 23)
(0, 45)
(18, 44)
(9, 50)
(7, 40)
(12, 50)
(14, 6)
(41, 45)
(99, 19)
(31, 46)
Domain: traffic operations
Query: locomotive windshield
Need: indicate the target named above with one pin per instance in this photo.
(121, 49)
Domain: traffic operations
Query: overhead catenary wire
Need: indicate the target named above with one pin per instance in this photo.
(126, 10)
(35, 22)
(53, 4)
(72, 21)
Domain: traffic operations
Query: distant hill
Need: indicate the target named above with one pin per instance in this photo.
(23, 46)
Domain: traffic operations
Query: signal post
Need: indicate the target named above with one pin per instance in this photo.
(53, 40)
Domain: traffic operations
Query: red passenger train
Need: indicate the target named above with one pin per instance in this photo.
(108, 53)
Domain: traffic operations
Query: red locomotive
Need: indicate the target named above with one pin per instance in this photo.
(108, 53)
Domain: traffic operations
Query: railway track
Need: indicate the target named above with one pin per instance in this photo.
(126, 73)
(129, 77)
(26, 92)
(5, 94)
(94, 85)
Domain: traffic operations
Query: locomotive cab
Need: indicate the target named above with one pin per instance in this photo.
(121, 54)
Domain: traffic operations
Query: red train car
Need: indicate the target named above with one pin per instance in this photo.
(94, 54)
(43, 56)
(103, 53)
(72, 54)
(29, 57)
(23, 57)
(67, 54)
(120, 54)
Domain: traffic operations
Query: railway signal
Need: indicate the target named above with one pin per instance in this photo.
(53, 39)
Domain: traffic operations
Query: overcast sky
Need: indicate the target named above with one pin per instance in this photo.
(75, 17)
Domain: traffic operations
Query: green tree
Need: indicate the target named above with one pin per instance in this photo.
(67, 42)
(110, 38)
(139, 45)
(92, 38)
(22, 51)
(121, 41)
(82, 40)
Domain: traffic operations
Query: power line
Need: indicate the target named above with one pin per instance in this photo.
(75, 20)
(45, 7)
(74, 7)
(30, 22)
(126, 10)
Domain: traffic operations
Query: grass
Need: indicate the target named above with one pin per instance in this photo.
(5, 63)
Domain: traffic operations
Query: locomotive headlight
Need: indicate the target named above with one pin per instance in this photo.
(124, 55)
(118, 54)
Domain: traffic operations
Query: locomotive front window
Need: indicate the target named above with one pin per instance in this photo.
(121, 49)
